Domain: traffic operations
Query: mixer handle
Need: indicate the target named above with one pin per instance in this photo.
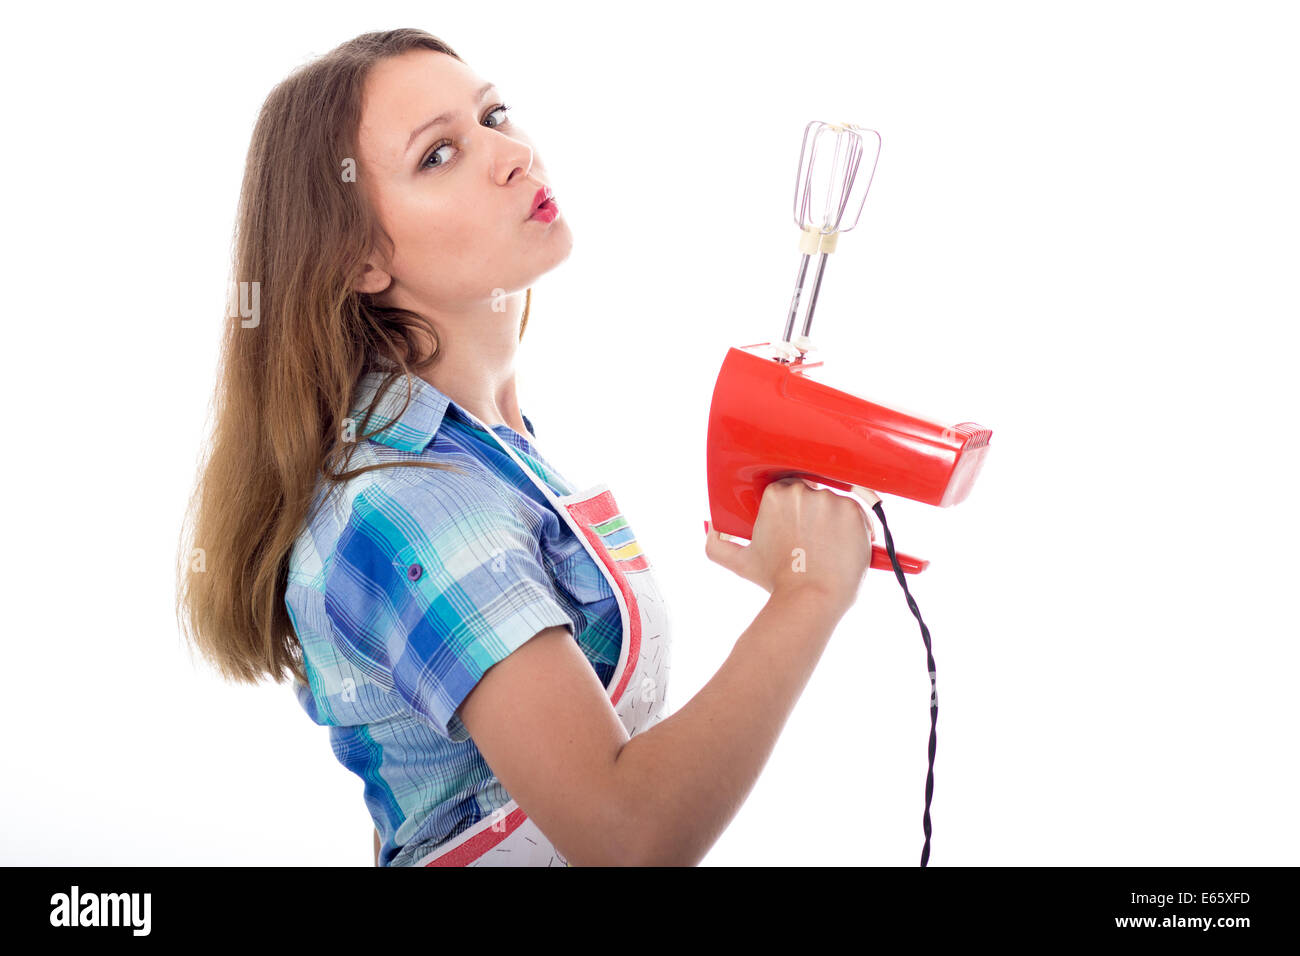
(879, 555)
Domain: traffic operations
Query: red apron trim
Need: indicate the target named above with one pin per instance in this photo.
(480, 843)
(594, 511)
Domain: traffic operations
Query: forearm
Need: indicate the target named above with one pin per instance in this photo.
(684, 779)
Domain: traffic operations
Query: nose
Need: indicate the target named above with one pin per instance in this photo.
(512, 158)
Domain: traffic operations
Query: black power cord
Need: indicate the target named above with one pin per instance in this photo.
(878, 508)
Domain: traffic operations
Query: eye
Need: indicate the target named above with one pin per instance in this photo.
(501, 108)
(436, 151)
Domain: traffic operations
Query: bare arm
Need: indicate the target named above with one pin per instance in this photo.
(546, 726)
(688, 775)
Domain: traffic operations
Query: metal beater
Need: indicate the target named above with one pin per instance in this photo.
(827, 187)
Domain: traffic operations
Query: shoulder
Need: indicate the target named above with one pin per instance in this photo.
(428, 507)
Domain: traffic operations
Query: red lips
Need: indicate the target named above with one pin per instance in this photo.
(544, 208)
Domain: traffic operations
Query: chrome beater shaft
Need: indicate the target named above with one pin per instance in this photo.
(827, 187)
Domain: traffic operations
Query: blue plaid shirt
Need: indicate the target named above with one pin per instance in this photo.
(407, 584)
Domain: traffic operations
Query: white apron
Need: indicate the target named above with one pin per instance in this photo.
(637, 689)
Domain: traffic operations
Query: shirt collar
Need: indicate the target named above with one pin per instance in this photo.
(410, 430)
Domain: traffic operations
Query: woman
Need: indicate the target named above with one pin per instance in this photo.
(486, 644)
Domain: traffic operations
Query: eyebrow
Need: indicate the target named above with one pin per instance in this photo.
(442, 118)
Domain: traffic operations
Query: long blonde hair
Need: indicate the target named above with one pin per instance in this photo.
(286, 379)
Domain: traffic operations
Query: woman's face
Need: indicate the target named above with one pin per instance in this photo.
(455, 197)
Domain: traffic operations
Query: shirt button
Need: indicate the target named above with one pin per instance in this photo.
(414, 572)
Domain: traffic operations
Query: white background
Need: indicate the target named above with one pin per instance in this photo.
(1082, 234)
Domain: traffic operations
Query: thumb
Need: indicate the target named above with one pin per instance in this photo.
(730, 555)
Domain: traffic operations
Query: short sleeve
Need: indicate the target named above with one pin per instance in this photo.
(433, 582)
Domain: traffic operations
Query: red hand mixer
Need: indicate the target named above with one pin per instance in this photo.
(768, 420)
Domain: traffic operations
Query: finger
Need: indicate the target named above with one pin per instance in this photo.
(719, 549)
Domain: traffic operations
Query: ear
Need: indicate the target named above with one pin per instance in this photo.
(372, 279)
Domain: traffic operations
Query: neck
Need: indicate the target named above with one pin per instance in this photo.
(475, 367)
